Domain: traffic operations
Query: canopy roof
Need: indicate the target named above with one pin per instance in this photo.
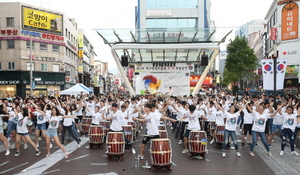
(76, 89)
(164, 36)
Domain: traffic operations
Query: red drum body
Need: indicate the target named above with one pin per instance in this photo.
(197, 142)
(128, 131)
(133, 124)
(96, 134)
(162, 127)
(106, 126)
(85, 124)
(115, 143)
(212, 127)
(220, 133)
(163, 134)
(160, 152)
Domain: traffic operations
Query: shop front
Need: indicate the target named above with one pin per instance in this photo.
(208, 82)
(18, 83)
(291, 79)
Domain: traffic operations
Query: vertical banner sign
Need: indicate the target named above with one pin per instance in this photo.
(273, 36)
(289, 21)
(268, 74)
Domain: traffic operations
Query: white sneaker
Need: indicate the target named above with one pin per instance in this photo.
(133, 151)
(180, 142)
(212, 141)
(185, 151)
(79, 145)
(281, 153)
(269, 153)
(223, 154)
(13, 146)
(37, 145)
(37, 153)
(50, 145)
(294, 152)
(238, 154)
(141, 156)
(40, 138)
(25, 146)
(7, 152)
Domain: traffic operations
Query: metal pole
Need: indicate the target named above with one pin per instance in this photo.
(31, 78)
(275, 69)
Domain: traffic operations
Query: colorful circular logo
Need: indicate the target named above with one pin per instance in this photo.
(268, 67)
(187, 74)
(280, 67)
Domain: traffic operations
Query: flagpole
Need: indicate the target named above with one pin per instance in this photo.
(275, 65)
(31, 78)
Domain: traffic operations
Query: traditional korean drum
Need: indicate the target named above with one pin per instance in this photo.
(160, 152)
(96, 134)
(128, 131)
(220, 133)
(197, 142)
(115, 143)
(85, 124)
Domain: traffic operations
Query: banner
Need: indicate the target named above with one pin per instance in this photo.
(268, 73)
(289, 21)
(159, 83)
(41, 20)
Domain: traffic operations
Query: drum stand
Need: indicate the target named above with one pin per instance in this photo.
(137, 166)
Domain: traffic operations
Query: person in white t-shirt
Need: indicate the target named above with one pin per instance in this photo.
(248, 123)
(23, 116)
(2, 137)
(259, 126)
(230, 127)
(193, 119)
(288, 128)
(219, 118)
(90, 104)
(96, 116)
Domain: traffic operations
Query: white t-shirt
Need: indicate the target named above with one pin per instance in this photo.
(96, 118)
(40, 118)
(68, 120)
(13, 117)
(22, 124)
(152, 123)
(248, 117)
(289, 121)
(231, 121)
(80, 110)
(54, 121)
(219, 117)
(278, 119)
(91, 107)
(193, 120)
(124, 120)
(117, 117)
(210, 117)
(260, 120)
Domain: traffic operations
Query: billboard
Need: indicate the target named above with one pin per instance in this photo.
(289, 21)
(34, 19)
(159, 83)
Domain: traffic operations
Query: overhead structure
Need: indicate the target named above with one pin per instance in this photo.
(164, 46)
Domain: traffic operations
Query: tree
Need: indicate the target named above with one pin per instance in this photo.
(240, 62)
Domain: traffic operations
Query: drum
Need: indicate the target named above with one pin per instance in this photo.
(85, 124)
(115, 143)
(162, 127)
(197, 142)
(133, 124)
(127, 129)
(163, 134)
(220, 133)
(96, 134)
(160, 152)
(106, 126)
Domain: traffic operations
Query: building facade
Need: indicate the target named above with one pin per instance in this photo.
(53, 50)
(250, 28)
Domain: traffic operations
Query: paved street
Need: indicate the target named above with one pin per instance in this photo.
(85, 161)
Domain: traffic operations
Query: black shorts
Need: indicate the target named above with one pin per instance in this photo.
(147, 138)
(267, 129)
(79, 118)
(247, 129)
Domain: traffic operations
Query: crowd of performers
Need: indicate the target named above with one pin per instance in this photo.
(117, 120)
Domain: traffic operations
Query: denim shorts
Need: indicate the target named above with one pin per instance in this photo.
(1, 129)
(23, 134)
(275, 127)
(12, 126)
(41, 126)
(187, 133)
(51, 132)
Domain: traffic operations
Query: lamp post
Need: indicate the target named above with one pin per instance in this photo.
(274, 39)
(31, 77)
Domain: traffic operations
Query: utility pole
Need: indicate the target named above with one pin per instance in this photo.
(31, 77)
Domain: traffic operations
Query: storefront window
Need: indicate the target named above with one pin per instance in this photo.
(7, 91)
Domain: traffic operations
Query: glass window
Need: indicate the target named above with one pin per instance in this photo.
(10, 22)
(44, 67)
(43, 46)
(28, 45)
(11, 66)
(55, 68)
(28, 66)
(10, 44)
(55, 48)
(171, 4)
(66, 32)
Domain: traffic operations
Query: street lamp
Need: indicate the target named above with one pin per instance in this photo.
(31, 78)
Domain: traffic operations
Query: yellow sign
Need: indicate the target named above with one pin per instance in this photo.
(80, 68)
(40, 20)
(80, 40)
(80, 53)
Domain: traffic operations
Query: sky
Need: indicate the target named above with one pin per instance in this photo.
(113, 14)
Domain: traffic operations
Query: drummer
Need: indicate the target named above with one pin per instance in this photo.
(219, 117)
(152, 120)
(116, 126)
(193, 124)
(96, 116)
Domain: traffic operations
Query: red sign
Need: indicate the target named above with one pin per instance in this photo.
(195, 78)
(273, 36)
(52, 37)
(9, 32)
(116, 81)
